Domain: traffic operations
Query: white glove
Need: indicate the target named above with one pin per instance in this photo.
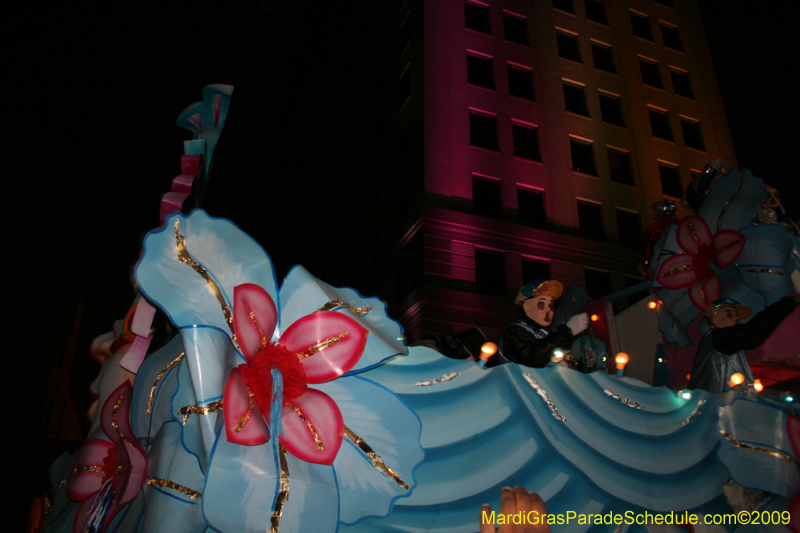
(578, 323)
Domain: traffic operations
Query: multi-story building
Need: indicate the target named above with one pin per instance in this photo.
(531, 140)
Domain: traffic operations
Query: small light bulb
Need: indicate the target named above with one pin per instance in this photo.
(789, 398)
(622, 360)
(686, 394)
(758, 385)
(488, 349)
(558, 354)
(652, 305)
(595, 318)
(736, 379)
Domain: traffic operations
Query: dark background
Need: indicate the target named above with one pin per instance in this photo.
(93, 93)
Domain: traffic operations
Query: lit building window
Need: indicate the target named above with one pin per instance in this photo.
(670, 179)
(564, 5)
(681, 84)
(692, 134)
(611, 108)
(520, 82)
(595, 11)
(590, 220)
(659, 123)
(603, 57)
(526, 141)
(582, 155)
(651, 73)
(629, 225)
(641, 25)
(575, 98)
(480, 70)
(515, 29)
(530, 204)
(476, 17)
(490, 272)
(671, 36)
(619, 164)
(568, 46)
(483, 130)
(487, 197)
(534, 270)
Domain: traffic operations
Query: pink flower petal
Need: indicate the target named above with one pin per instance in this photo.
(704, 291)
(82, 482)
(236, 405)
(693, 235)
(677, 272)
(131, 477)
(345, 339)
(729, 245)
(116, 411)
(322, 417)
(253, 332)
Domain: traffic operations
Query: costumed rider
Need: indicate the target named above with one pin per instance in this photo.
(531, 340)
(720, 353)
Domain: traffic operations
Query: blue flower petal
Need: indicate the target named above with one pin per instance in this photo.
(241, 487)
(733, 201)
(764, 261)
(168, 509)
(764, 427)
(229, 256)
(146, 425)
(313, 502)
(302, 293)
(391, 429)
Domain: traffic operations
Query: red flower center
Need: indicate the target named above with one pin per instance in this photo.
(258, 375)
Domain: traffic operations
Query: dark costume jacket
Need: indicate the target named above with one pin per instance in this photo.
(527, 343)
(720, 353)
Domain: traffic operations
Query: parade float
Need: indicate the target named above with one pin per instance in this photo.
(297, 406)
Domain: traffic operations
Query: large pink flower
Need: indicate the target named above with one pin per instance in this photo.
(700, 257)
(107, 475)
(316, 348)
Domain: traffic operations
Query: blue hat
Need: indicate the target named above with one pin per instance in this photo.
(715, 306)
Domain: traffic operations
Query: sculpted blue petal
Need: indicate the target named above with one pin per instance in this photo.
(227, 255)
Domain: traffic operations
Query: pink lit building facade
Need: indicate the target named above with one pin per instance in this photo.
(531, 140)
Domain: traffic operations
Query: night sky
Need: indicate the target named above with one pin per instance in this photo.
(93, 95)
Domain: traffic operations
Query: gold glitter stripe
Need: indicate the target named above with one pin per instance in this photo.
(193, 494)
(732, 243)
(333, 304)
(198, 410)
(114, 419)
(694, 234)
(676, 270)
(185, 257)
(330, 341)
(246, 418)
(763, 271)
(61, 484)
(317, 440)
(252, 316)
(669, 309)
(283, 493)
(725, 207)
(446, 377)
(161, 375)
(695, 413)
(744, 446)
(377, 462)
(624, 401)
(538, 388)
(89, 468)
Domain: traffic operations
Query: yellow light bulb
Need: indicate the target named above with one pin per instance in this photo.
(622, 359)
(488, 349)
(736, 379)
